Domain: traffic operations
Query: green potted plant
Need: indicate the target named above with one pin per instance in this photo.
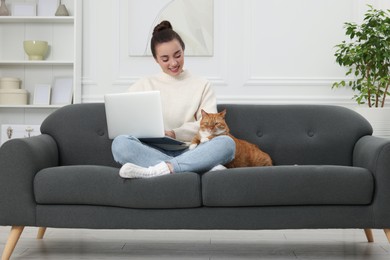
(367, 57)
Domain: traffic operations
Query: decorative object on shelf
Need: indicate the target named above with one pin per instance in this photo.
(36, 50)
(10, 131)
(10, 94)
(62, 92)
(42, 94)
(14, 131)
(61, 10)
(3, 9)
(24, 9)
(47, 7)
(29, 130)
(9, 83)
(366, 55)
(13, 97)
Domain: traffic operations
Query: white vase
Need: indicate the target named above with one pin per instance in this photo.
(379, 118)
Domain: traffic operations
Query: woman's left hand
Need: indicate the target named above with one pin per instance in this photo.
(170, 133)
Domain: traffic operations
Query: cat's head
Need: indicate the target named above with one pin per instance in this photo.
(214, 123)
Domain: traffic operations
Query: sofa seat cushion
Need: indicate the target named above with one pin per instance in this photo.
(288, 185)
(102, 185)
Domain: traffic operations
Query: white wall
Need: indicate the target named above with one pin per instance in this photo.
(279, 51)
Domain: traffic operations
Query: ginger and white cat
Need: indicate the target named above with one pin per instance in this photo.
(247, 154)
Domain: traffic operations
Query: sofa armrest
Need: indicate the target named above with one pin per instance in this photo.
(373, 153)
(20, 160)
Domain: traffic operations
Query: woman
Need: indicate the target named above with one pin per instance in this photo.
(183, 96)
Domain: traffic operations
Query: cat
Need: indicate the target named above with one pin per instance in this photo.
(247, 154)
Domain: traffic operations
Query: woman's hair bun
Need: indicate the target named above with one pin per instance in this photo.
(164, 25)
(163, 32)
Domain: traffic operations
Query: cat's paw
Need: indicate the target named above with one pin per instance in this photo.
(192, 146)
(204, 139)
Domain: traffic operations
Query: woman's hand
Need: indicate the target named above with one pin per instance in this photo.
(170, 133)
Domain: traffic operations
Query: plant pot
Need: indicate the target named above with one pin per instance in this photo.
(379, 118)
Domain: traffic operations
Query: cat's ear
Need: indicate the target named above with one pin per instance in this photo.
(204, 113)
(223, 113)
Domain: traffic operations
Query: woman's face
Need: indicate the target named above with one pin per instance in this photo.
(170, 57)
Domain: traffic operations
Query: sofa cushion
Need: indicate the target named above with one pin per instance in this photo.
(288, 185)
(102, 185)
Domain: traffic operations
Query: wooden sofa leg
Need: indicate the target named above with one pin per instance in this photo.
(13, 238)
(41, 232)
(387, 232)
(370, 237)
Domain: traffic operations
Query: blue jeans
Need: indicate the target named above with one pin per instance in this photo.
(219, 150)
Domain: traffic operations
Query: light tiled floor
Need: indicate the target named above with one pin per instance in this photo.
(62, 244)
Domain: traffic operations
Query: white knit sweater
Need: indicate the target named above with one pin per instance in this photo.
(182, 99)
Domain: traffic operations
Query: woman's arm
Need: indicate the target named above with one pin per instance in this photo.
(209, 103)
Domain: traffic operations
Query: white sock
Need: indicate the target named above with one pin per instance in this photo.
(218, 167)
(130, 170)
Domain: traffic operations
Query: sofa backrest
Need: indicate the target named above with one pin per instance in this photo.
(299, 134)
(80, 131)
(291, 134)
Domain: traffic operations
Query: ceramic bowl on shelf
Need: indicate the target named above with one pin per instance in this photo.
(9, 83)
(36, 50)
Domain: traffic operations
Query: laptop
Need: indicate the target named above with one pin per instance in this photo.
(139, 114)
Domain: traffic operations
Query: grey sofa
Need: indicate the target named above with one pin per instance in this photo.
(329, 172)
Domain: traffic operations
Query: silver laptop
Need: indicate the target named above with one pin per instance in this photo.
(138, 114)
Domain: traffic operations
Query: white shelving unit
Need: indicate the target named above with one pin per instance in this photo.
(63, 33)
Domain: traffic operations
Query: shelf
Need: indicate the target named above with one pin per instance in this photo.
(38, 62)
(64, 35)
(36, 19)
(31, 106)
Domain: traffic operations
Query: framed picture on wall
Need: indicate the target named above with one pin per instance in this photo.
(193, 20)
(62, 91)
